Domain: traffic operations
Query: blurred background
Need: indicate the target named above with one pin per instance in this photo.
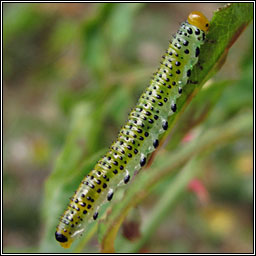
(61, 57)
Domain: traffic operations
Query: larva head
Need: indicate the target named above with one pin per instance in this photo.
(63, 239)
(198, 20)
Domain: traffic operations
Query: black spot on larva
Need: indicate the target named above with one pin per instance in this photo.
(155, 117)
(150, 121)
(173, 107)
(95, 215)
(76, 201)
(165, 125)
(167, 79)
(165, 99)
(110, 195)
(190, 31)
(135, 151)
(104, 185)
(115, 163)
(72, 225)
(197, 51)
(169, 87)
(99, 190)
(99, 173)
(155, 143)
(203, 36)
(83, 204)
(180, 90)
(177, 63)
(115, 171)
(142, 161)
(89, 206)
(126, 179)
(146, 134)
(189, 73)
(186, 51)
(197, 31)
(84, 212)
(185, 43)
(129, 147)
(60, 237)
(129, 155)
(139, 131)
(98, 181)
(160, 103)
(173, 83)
(159, 96)
(91, 185)
(121, 167)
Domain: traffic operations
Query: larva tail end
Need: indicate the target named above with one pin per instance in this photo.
(66, 245)
(63, 240)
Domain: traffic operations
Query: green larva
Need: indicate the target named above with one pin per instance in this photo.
(139, 136)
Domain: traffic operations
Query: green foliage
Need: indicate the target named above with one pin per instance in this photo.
(93, 77)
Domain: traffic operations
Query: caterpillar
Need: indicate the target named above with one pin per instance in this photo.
(140, 135)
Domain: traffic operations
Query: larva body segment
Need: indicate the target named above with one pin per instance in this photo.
(139, 136)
